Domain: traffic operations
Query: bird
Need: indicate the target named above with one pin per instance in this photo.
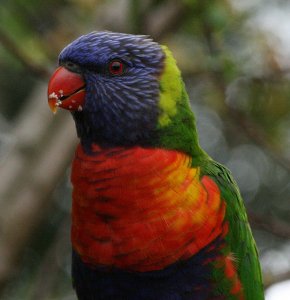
(153, 215)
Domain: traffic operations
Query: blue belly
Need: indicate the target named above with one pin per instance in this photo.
(189, 279)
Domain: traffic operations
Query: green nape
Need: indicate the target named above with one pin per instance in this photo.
(176, 124)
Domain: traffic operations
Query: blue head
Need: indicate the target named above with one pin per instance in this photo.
(121, 74)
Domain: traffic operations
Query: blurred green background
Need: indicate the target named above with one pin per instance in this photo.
(235, 60)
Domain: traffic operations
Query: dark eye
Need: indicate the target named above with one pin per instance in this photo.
(116, 67)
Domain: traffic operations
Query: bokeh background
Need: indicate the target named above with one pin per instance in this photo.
(235, 60)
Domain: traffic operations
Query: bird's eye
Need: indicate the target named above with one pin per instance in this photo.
(116, 67)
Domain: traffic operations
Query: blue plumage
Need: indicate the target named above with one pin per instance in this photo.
(118, 110)
(189, 279)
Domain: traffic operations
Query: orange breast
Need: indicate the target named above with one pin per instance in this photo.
(142, 209)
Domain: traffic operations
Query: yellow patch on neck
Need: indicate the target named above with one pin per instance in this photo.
(170, 89)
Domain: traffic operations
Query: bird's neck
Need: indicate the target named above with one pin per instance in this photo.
(141, 208)
(95, 128)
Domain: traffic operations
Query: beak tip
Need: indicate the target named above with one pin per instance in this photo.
(53, 105)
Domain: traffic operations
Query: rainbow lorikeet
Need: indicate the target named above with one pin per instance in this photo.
(153, 216)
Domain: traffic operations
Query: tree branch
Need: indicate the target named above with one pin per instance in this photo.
(43, 150)
(270, 224)
(270, 279)
(164, 19)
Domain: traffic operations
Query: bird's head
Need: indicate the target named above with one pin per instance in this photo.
(122, 90)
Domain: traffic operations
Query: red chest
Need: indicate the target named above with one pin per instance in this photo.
(141, 209)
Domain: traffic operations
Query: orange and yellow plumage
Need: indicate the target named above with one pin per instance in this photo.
(124, 200)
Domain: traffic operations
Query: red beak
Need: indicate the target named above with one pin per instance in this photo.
(66, 90)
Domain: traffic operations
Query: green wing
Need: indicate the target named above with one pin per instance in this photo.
(239, 239)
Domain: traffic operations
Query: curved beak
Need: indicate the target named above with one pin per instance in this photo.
(66, 90)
